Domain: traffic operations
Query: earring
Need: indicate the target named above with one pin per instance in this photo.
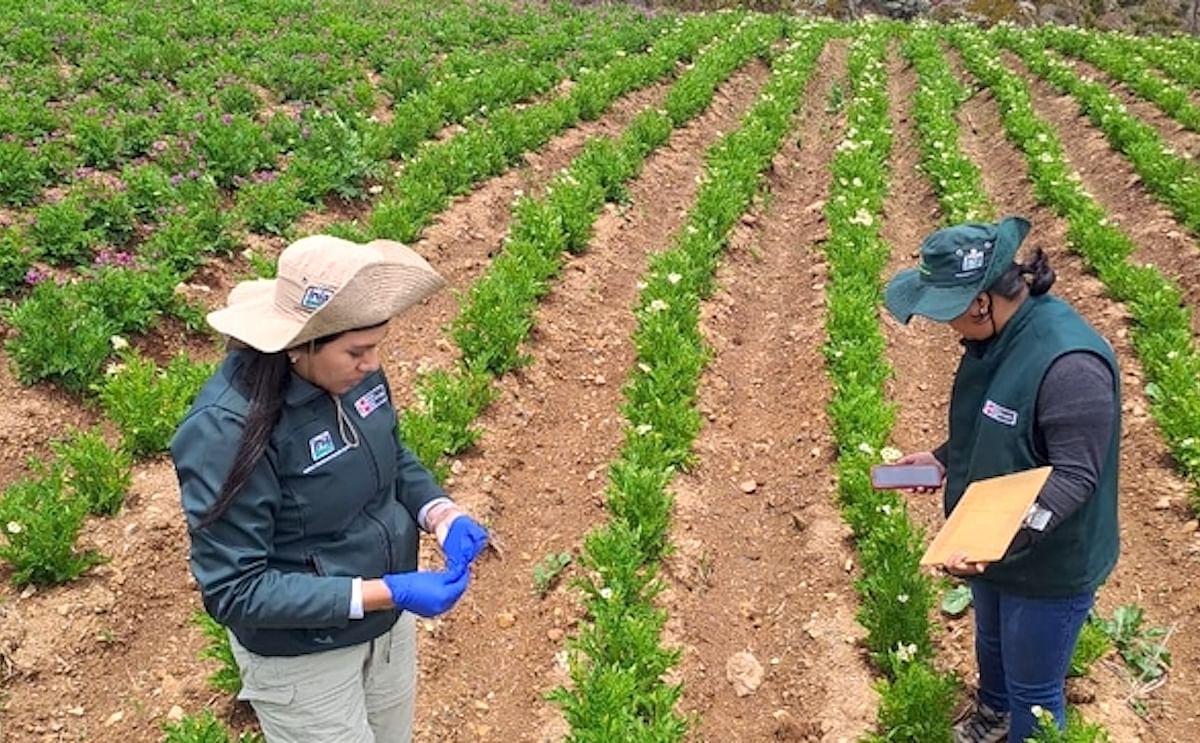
(293, 359)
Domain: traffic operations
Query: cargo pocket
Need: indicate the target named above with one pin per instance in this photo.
(279, 696)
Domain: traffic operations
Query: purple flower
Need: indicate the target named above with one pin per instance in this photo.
(227, 119)
(159, 146)
(265, 176)
(35, 276)
(305, 132)
(116, 258)
(193, 174)
(199, 116)
(176, 179)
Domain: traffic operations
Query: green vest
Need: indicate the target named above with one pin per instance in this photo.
(992, 412)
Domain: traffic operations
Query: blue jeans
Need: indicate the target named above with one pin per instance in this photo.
(1023, 647)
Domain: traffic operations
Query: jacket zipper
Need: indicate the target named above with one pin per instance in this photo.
(339, 412)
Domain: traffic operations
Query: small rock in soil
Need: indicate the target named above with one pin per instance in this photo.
(175, 714)
(745, 673)
(748, 486)
(1191, 526)
(1162, 503)
(505, 619)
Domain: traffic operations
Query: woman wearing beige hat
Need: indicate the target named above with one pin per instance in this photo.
(303, 506)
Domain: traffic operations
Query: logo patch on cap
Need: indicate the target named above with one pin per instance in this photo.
(972, 260)
(315, 296)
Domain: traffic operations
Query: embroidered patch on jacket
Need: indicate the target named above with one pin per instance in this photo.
(371, 401)
(999, 413)
(321, 445)
(315, 296)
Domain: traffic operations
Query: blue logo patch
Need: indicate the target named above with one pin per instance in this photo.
(321, 445)
(315, 296)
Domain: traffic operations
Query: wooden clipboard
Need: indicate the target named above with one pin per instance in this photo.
(987, 517)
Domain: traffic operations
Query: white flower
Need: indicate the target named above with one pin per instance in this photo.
(866, 448)
(644, 367)
(644, 429)
(902, 598)
(14, 528)
(118, 342)
(606, 593)
(905, 653)
(862, 217)
(658, 305)
(674, 278)
(889, 454)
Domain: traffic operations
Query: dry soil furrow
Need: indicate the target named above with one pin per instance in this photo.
(538, 474)
(763, 572)
(1158, 563)
(1109, 176)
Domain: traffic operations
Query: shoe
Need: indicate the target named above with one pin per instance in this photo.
(982, 725)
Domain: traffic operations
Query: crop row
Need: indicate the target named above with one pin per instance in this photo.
(1162, 335)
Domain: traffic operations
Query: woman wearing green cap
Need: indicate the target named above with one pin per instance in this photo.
(1036, 386)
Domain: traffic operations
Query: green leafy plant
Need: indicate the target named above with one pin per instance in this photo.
(270, 205)
(956, 599)
(1092, 645)
(15, 259)
(97, 473)
(60, 232)
(546, 571)
(40, 522)
(233, 145)
(1077, 730)
(917, 703)
(1143, 649)
(59, 337)
(21, 178)
(147, 403)
(227, 678)
(203, 728)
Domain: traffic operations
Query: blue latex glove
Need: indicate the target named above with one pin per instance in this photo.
(427, 593)
(464, 541)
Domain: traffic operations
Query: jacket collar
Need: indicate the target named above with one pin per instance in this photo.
(299, 390)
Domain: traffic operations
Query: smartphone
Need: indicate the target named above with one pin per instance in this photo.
(899, 476)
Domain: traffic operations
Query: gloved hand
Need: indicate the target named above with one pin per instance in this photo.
(426, 593)
(464, 541)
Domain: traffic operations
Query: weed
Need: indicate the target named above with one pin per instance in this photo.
(1143, 649)
(548, 570)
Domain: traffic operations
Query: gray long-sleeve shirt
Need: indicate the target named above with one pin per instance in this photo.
(1072, 428)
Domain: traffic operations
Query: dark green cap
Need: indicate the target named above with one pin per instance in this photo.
(957, 263)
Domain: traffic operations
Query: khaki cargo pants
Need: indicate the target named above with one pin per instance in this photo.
(360, 694)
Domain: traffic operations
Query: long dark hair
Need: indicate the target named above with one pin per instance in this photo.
(1013, 280)
(265, 377)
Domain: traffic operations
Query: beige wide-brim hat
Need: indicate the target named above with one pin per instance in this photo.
(325, 285)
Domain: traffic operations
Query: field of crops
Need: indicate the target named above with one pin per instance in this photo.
(659, 378)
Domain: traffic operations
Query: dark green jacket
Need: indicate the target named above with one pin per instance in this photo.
(992, 432)
(277, 567)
